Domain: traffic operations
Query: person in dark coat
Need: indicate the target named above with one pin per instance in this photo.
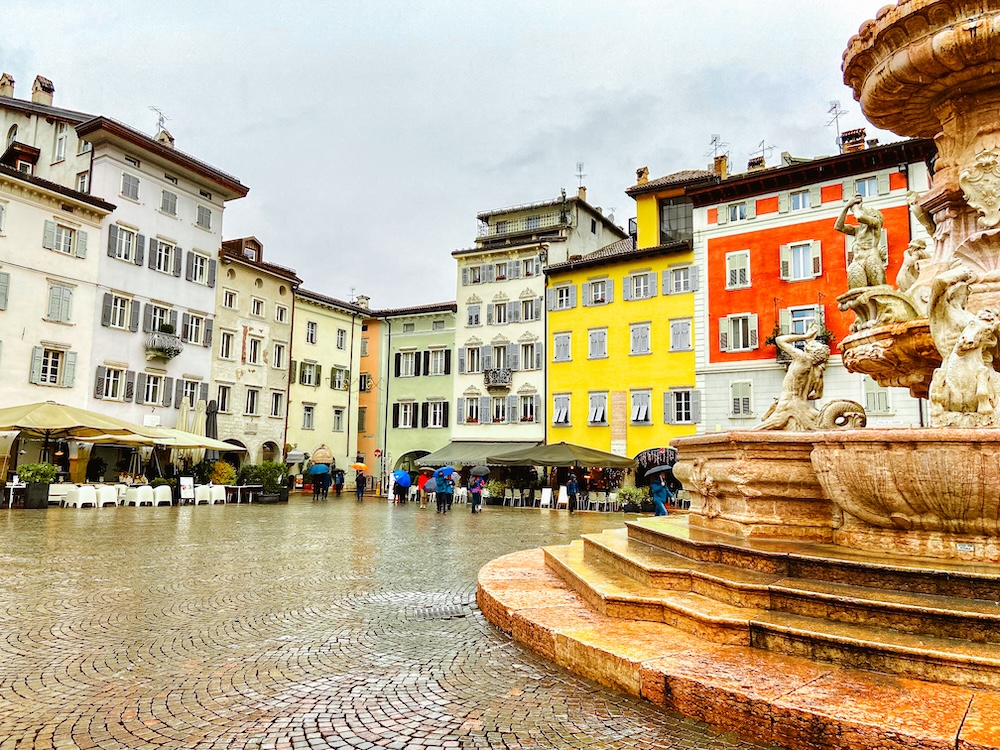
(338, 481)
(359, 485)
(443, 494)
(573, 490)
(660, 490)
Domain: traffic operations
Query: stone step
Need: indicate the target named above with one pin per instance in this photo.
(660, 569)
(857, 646)
(615, 594)
(821, 562)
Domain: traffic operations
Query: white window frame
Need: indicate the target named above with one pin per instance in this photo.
(227, 341)
(277, 404)
(341, 338)
(528, 356)
(127, 244)
(682, 406)
(196, 328)
(62, 137)
(733, 324)
(680, 280)
(799, 200)
(472, 317)
(159, 316)
(473, 360)
(435, 414)
(280, 314)
(472, 410)
(563, 298)
(308, 416)
(407, 364)
(114, 384)
(225, 394)
(597, 343)
(199, 268)
(338, 419)
(83, 182)
(737, 211)
(639, 334)
(130, 186)
(307, 374)
(255, 350)
(258, 307)
(252, 402)
(230, 299)
(499, 313)
(338, 377)
(641, 407)
(561, 410)
(63, 239)
(738, 269)
(498, 409)
(862, 186)
(640, 286)
(311, 331)
(163, 259)
(741, 399)
(153, 392)
(562, 347)
(528, 310)
(278, 360)
(499, 355)
(599, 292)
(437, 362)
(407, 415)
(526, 409)
(597, 408)
(121, 312)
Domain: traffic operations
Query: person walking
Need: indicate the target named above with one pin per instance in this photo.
(444, 490)
(573, 490)
(359, 485)
(660, 490)
(338, 481)
(476, 490)
(327, 481)
(421, 481)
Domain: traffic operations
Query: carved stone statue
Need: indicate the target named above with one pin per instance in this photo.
(804, 383)
(867, 268)
(915, 252)
(965, 390)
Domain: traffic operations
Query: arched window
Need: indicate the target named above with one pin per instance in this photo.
(11, 135)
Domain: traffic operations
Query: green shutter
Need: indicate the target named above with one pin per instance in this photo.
(35, 375)
(81, 244)
(4, 289)
(69, 371)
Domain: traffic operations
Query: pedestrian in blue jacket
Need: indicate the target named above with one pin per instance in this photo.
(661, 493)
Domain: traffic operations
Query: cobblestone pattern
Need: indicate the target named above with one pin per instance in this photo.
(326, 625)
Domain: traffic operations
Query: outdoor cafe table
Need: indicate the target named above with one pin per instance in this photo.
(237, 491)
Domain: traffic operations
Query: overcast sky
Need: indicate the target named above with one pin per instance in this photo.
(371, 133)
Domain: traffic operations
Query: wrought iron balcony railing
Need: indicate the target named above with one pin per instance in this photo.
(498, 377)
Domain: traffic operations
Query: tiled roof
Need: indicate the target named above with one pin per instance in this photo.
(433, 307)
(625, 248)
(13, 174)
(676, 178)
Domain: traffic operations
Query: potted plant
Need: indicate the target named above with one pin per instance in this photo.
(635, 500)
(37, 477)
(272, 477)
(222, 472)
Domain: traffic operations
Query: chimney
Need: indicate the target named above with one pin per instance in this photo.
(720, 165)
(871, 142)
(165, 138)
(42, 91)
(852, 141)
(756, 164)
(362, 301)
(642, 175)
(581, 193)
(6, 86)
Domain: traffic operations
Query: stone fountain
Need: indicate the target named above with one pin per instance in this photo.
(834, 585)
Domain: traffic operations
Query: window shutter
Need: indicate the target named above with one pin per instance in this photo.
(485, 415)
(99, 381)
(538, 308)
(134, 309)
(168, 391)
(189, 268)
(465, 277)
(347, 380)
(538, 265)
(444, 414)
(489, 272)
(81, 244)
(784, 321)
(666, 287)
(652, 283)
(203, 393)
(848, 189)
(35, 375)
(550, 299)
(318, 375)
(140, 388)
(668, 407)
(425, 414)
(627, 288)
(129, 385)
(783, 202)
(723, 217)
(512, 316)
(4, 289)
(69, 369)
(815, 197)
(185, 327)
(140, 249)
(460, 411)
(212, 267)
(511, 356)
(461, 361)
(538, 355)
(106, 309)
(572, 296)
(173, 319)
(398, 364)
(112, 241)
(207, 338)
(65, 304)
(753, 332)
(486, 357)
(785, 254)
(427, 364)
(292, 367)
(751, 208)
(514, 268)
(512, 415)
(883, 183)
(585, 290)
(178, 395)
(723, 334)
(147, 317)
(55, 299)
(489, 314)
(538, 408)
(49, 236)
(395, 415)
(817, 259)
(694, 277)
(178, 254)
(153, 247)
(447, 361)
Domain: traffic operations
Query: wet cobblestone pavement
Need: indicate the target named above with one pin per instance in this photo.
(327, 625)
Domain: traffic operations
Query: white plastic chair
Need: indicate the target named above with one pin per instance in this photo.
(613, 501)
(107, 495)
(563, 497)
(78, 497)
(58, 492)
(163, 495)
(508, 498)
(202, 494)
(218, 494)
(140, 495)
(546, 501)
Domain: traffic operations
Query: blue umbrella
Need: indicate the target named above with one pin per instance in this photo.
(444, 472)
(319, 469)
(401, 477)
(431, 485)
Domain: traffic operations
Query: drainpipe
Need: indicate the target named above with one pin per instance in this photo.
(288, 371)
(347, 425)
(385, 411)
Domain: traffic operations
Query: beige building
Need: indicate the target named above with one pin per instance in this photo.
(254, 308)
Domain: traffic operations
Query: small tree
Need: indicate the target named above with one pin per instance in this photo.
(43, 473)
(222, 473)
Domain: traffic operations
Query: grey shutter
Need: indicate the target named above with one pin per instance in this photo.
(207, 339)
(35, 375)
(538, 408)
(4, 289)
(485, 415)
(512, 416)
(514, 268)
(106, 309)
(178, 395)
(512, 356)
(754, 339)
(112, 241)
(168, 390)
(785, 262)
(489, 314)
(585, 291)
(65, 305)
(538, 265)
(173, 320)
(147, 317)
(69, 373)
(318, 375)
(49, 236)
(178, 254)
(668, 411)
(572, 296)
(129, 385)
(514, 313)
(815, 197)
(783, 202)
(652, 283)
(694, 278)
(203, 392)
(81, 244)
(784, 321)
(55, 303)
(751, 208)
(185, 328)
(627, 288)
(447, 361)
(99, 381)
(882, 178)
(212, 268)
(488, 272)
(486, 357)
(538, 308)
(666, 286)
(538, 355)
(189, 268)
(695, 406)
(461, 361)
(140, 249)
(140, 388)
(723, 215)
(723, 334)
(460, 411)
(848, 189)
(154, 245)
(292, 367)
(465, 277)
(550, 299)
(134, 309)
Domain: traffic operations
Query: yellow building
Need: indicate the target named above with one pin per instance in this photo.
(621, 369)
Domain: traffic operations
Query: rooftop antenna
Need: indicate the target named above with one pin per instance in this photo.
(353, 296)
(762, 150)
(836, 113)
(579, 172)
(716, 146)
(161, 118)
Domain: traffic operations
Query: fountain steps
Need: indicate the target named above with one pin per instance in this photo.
(912, 632)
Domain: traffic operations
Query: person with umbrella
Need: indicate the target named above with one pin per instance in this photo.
(400, 484)
(319, 474)
(445, 485)
(476, 486)
(660, 489)
(425, 475)
(338, 481)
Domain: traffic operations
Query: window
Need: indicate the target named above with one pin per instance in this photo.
(132, 160)
(226, 340)
(153, 391)
(407, 414)
(84, 147)
(130, 186)
(593, 226)
(407, 364)
(62, 136)
(341, 338)
(83, 182)
(253, 402)
(158, 317)
(598, 292)
(308, 416)
(473, 360)
(472, 411)
(798, 200)
(676, 220)
(364, 383)
(199, 265)
(52, 367)
(309, 373)
(738, 269)
(280, 314)
(528, 355)
(560, 410)
(798, 319)
(278, 357)
(254, 347)
(311, 332)
(277, 404)
(193, 329)
(641, 412)
(11, 135)
(738, 333)
(598, 409)
(120, 313)
(204, 219)
(500, 313)
(437, 325)
(741, 398)
(680, 335)
(682, 406)
(60, 304)
(641, 287)
(126, 244)
(113, 387)
(562, 347)
(435, 414)
(163, 257)
(737, 211)
(437, 362)
(338, 379)
(876, 397)
(680, 280)
(500, 357)
(598, 343)
(230, 299)
(528, 267)
(475, 275)
(801, 260)
(408, 327)
(472, 314)
(62, 239)
(338, 419)
(565, 297)
(168, 202)
(257, 307)
(362, 418)
(498, 409)
(224, 394)
(500, 271)
(639, 338)
(533, 222)
(364, 347)
(866, 187)
(527, 404)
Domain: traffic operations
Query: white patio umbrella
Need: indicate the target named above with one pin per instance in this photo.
(178, 455)
(197, 427)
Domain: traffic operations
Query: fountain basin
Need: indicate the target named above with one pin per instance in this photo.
(895, 355)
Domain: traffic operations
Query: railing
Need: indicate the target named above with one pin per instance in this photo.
(163, 345)
(520, 224)
(498, 377)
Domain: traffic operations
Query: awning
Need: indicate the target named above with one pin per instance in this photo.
(561, 454)
(470, 452)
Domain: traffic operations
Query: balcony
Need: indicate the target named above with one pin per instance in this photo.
(522, 224)
(498, 379)
(162, 345)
